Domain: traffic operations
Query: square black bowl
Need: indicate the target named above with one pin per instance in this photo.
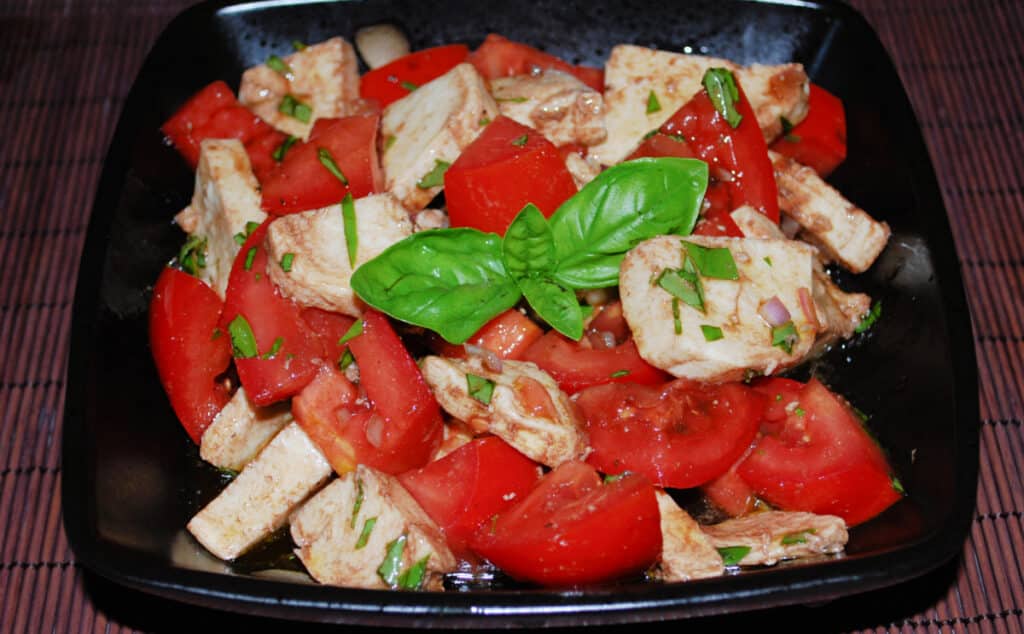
(129, 481)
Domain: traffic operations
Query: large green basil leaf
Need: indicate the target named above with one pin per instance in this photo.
(528, 246)
(556, 305)
(622, 207)
(451, 281)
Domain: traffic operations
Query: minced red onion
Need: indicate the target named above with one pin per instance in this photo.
(774, 312)
(491, 360)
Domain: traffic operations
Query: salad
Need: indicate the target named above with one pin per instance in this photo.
(488, 308)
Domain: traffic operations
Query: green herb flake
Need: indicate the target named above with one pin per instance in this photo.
(278, 65)
(778, 397)
(480, 388)
(897, 486)
(286, 262)
(274, 348)
(609, 478)
(724, 94)
(391, 567)
(520, 141)
(243, 341)
(869, 318)
(711, 333)
(389, 141)
(328, 162)
(358, 504)
(785, 336)
(799, 537)
(435, 177)
(298, 46)
(250, 257)
(618, 374)
(800, 412)
(651, 134)
(364, 535)
(716, 263)
(217, 334)
(653, 105)
(348, 218)
(412, 579)
(768, 260)
(295, 109)
(677, 322)
(408, 85)
(787, 130)
(684, 285)
(250, 227)
(861, 415)
(354, 331)
(239, 238)
(192, 255)
(732, 555)
(484, 121)
(511, 99)
(281, 150)
(347, 359)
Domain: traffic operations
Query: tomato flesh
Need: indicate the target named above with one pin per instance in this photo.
(508, 335)
(818, 141)
(325, 409)
(397, 79)
(501, 57)
(576, 367)
(572, 529)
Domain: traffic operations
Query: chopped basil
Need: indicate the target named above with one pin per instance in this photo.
(347, 358)
(711, 333)
(800, 412)
(732, 555)
(274, 348)
(358, 504)
(619, 374)
(239, 238)
(651, 134)
(778, 397)
(243, 341)
(435, 177)
(716, 262)
(869, 318)
(683, 284)
(389, 141)
(677, 322)
(217, 334)
(861, 415)
(609, 478)
(354, 331)
(286, 262)
(250, 257)
(364, 536)
(767, 260)
(653, 105)
(251, 226)
(897, 486)
(520, 141)
(391, 566)
(721, 87)
(281, 150)
(192, 255)
(785, 336)
(511, 99)
(796, 538)
(348, 219)
(412, 579)
(278, 65)
(295, 109)
(484, 120)
(298, 46)
(787, 129)
(480, 388)
(328, 162)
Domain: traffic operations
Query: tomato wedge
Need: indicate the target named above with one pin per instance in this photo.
(508, 335)
(501, 57)
(471, 484)
(576, 367)
(572, 529)
(682, 434)
(818, 141)
(189, 351)
(506, 167)
(397, 79)
(821, 460)
(326, 410)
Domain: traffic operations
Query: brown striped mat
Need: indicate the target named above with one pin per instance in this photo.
(65, 69)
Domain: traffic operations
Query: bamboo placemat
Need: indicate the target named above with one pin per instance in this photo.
(65, 70)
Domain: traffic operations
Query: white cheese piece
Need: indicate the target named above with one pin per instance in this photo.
(776, 535)
(344, 532)
(556, 104)
(240, 431)
(320, 272)
(550, 437)
(432, 123)
(686, 552)
(583, 170)
(775, 92)
(226, 197)
(259, 500)
(381, 44)
(324, 76)
(766, 268)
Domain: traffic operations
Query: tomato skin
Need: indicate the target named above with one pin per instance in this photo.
(501, 57)
(470, 485)
(301, 182)
(571, 529)
(325, 409)
(500, 172)
(508, 335)
(818, 141)
(681, 434)
(385, 83)
(575, 367)
(189, 354)
(328, 328)
(821, 460)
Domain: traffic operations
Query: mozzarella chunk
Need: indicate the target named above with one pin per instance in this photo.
(755, 224)
(381, 44)
(766, 268)
(686, 552)
(259, 500)
(320, 272)
(549, 434)
(455, 435)
(583, 170)
(240, 431)
(432, 124)
(323, 76)
(632, 73)
(556, 104)
(329, 532)
(846, 233)
(226, 197)
(776, 535)
(840, 312)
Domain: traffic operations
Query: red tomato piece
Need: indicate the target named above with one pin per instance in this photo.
(261, 153)
(716, 218)
(506, 167)
(501, 57)
(397, 79)
(681, 435)
(576, 367)
(189, 351)
(818, 141)
(470, 485)
(302, 182)
(286, 349)
(508, 335)
(329, 328)
(730, 493)
(822, 461)
(572, 529)
(327, 411)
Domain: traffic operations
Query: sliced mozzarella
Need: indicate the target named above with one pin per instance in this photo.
(773, 536)
(556, 104)
(686, 552)
(240, 431)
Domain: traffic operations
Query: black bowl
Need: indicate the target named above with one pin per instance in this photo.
(130, 482)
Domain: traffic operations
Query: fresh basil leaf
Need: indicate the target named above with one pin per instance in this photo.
(716, 262)
(554, 304)
(452, 281)
(623, 206)
(412, 579)
(528, 247)
(243, 340)
(724, 94)
(391, 567)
